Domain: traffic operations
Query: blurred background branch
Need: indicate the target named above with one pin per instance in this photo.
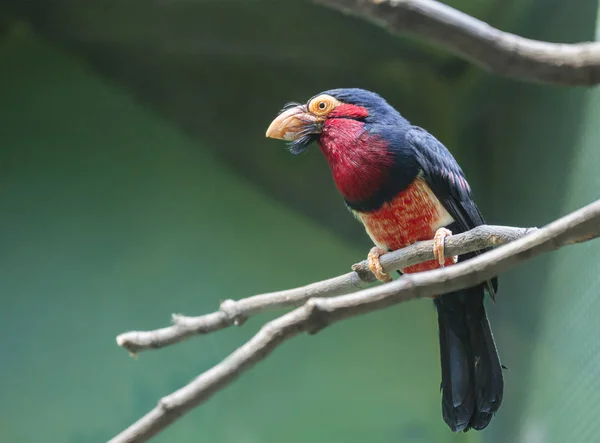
(318, 313)
(499, 52)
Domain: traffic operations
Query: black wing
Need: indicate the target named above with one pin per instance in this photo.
(447, 181)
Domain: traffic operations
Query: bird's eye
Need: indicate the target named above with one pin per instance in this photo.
(322, 105)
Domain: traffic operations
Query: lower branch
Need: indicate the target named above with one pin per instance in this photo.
(317, 313)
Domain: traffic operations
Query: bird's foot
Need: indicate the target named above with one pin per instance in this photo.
(438, 246)
(375, 265)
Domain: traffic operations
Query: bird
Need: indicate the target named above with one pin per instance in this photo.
(405, 186)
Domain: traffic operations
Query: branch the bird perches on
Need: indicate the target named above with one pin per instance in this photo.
(317, 312)
(232, 312)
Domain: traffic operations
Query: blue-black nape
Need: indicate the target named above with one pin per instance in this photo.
(380, 111)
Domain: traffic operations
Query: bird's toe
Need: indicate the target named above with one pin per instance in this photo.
(375, 264)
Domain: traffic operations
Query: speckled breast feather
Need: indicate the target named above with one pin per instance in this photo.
(413, 215)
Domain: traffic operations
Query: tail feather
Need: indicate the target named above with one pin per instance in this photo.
(489, 381)
(472, 383)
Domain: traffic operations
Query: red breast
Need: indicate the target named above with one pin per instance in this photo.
(413, 215)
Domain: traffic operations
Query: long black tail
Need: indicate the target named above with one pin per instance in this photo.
(472, 383)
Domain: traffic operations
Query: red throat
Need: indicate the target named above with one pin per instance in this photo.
(359, 161)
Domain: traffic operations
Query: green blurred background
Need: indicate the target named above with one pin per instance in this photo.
(135, 181)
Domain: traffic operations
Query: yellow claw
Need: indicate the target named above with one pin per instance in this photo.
(375, 264)
(438, 246)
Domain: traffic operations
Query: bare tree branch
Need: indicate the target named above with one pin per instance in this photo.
(236, 312)
(493, 50)
(317, 313)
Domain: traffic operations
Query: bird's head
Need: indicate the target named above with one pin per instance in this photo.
(357, 130)
(329, 113)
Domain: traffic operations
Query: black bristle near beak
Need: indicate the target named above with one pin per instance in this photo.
(307, 136)
(301, 144)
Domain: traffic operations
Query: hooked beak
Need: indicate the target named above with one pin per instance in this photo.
(293, 124)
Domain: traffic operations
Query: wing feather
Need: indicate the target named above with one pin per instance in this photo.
(447, 181)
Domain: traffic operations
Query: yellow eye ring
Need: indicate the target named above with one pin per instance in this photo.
(322, 105)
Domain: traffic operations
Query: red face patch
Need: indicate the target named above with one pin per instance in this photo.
(348, 111)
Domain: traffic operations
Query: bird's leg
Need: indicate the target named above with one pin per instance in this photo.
(375, 265)
(438, 246)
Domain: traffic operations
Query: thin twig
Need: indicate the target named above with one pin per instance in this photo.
(236, 312)
(317, 313)
(499, 52)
